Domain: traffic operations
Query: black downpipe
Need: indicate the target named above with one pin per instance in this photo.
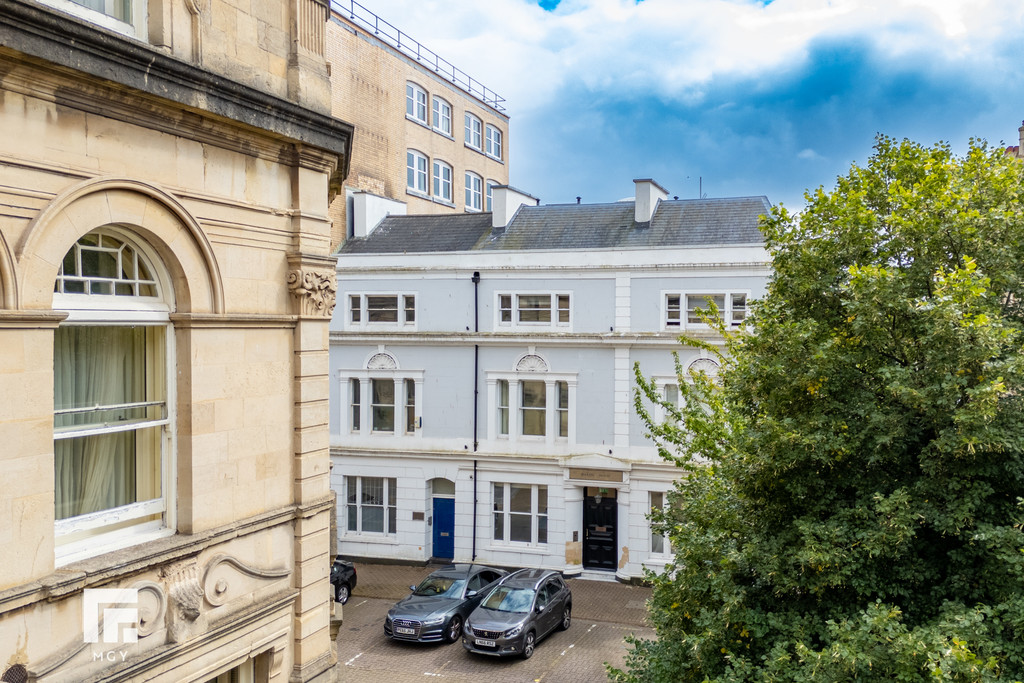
(476, 392)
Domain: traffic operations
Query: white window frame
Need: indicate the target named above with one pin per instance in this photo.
(389, 503)
(361, 408)
(489, 199)
(493, 142)
(677, 308)
(443, 175)
(357, 310)
(441, 116)
(515, 310)
(552, 410)
(474, 192)
(416, 165)
(135, 27)
(474, 131)
(666, 545)
(415, 103)
(540, 534)
(102, 531)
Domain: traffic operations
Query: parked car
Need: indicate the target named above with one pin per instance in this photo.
(526, 606)
(343, 579)
(437, 608)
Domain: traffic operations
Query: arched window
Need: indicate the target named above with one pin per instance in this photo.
(383, 399)
(415, 172)
(532, 403)
(474, 192)
(442, 181)
(112, 407)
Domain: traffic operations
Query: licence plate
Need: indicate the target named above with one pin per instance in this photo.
(485, 643)
(405, 631)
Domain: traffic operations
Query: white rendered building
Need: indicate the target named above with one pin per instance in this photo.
(482, 373)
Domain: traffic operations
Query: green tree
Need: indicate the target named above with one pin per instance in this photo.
(850, 501)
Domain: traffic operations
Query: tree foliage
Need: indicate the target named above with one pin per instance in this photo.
(850, 507)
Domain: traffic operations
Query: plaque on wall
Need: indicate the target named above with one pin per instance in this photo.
(594, 475)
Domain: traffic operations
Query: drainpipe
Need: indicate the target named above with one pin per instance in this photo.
(476, 393)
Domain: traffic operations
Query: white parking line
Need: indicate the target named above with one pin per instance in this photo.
(349, 662)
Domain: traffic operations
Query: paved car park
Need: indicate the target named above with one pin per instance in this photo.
(603, 614)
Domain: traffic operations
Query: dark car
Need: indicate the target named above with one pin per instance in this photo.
(526, 606)
(437, 608)
(343, 579)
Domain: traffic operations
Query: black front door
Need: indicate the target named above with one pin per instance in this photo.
(600, 511)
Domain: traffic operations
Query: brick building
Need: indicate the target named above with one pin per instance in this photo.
(426, 133)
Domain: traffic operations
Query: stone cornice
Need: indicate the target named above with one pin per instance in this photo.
(70, 43)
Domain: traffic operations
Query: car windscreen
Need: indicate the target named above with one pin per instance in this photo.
(508, 599)
(443, 586)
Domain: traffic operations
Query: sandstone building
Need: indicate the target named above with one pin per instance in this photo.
(165, 290)
(426, 133)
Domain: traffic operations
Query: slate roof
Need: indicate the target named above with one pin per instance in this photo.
(676, 223)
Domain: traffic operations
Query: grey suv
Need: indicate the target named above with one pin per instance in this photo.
(526, 606)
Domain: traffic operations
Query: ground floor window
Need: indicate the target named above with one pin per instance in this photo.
(371, 504)
(659, 542)
(520, 513)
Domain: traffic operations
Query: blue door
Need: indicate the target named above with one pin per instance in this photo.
(444, 528)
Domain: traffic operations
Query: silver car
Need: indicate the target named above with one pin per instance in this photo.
(526, 606)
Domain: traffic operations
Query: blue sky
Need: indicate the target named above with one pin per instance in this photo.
(735, 97)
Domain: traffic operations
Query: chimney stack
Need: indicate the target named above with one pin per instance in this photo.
(648, 194)
(368, 210)
(505, 201)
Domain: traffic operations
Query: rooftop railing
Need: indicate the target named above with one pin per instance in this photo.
(401, 41)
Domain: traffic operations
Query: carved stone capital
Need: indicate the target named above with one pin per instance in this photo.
(314, 290)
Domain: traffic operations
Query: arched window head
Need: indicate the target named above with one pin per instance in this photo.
(101, 263)
(531, 363)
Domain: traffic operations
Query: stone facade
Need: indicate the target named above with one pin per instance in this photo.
(368, 84)
(198, 141)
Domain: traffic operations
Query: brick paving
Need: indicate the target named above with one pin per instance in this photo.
(603, 614)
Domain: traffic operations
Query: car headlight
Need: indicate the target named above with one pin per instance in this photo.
(513, 632)
(433, 622)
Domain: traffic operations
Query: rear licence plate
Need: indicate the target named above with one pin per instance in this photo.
(484, 643)
(405, 631)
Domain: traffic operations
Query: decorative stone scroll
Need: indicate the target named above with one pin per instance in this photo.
(315, 290)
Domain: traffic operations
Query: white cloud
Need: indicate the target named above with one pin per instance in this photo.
(673, 48)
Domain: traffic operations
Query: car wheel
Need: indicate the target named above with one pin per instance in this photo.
(453, 630)
(528, 645)
(566, 618)
(341, 593)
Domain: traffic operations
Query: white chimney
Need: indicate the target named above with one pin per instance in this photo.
(369, 209)
(505, 201)
(648, 194)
